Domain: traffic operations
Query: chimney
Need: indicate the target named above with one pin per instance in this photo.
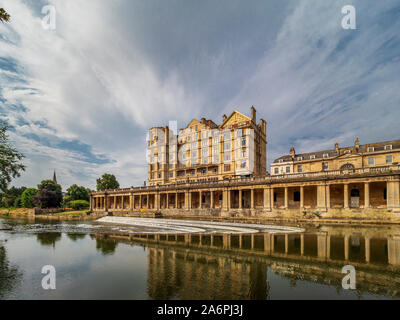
(203, 120)
(263, 126)
(224, 117)
(253, 114)
(337, 147)
(292, 152)
(209, 123)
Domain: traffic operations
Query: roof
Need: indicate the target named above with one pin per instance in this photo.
(378, 146)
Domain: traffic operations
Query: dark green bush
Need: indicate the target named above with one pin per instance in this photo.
(79, 204)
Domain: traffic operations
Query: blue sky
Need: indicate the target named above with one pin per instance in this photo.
(82, 97)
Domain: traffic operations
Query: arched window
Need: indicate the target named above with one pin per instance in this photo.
(347, 166)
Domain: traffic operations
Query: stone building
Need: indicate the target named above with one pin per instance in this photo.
(220, 170)
(204, 151)
(373, 155)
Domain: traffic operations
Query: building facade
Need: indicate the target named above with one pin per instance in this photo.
(204, 151)
(373, 155)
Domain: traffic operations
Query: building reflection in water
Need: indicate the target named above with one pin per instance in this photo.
(225, 266)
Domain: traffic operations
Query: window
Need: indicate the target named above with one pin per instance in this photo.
(227, 156)
(280, 160)
(276, 170)
(159, 176)
(152, 176)
(204, 160)
(197, 128)
(326, 155)
(203, 171)
(389, 159)
(244, 142)
(171, 166)
(227, 167)
(370, 149)
(204, 143)
(193, 172)
(299, 158)
(227, 146)
(215, 170)
(299, 168)
(325, 165)
(243, 165)
(296, 196)
(287, 169)
(371, 161)
(171, 174)
(347, 151)
(312, 156)
(388, 147)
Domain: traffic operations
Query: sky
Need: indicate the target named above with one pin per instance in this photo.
(81, 97)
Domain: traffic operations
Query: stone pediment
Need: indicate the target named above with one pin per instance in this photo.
(235, 118)
(348, 156)
(193, 123)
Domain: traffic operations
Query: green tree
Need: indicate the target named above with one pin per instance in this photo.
(9, 197)
(50, 185)
(76, 192)
(4, 16)
(107, 182)
(10, 166)
(27, 198)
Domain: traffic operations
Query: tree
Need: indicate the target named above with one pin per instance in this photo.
(4, 16)
(10, 166)
(46, 199)
(27, 197)
(50, 185)
(107, 182)
(9, 197)
(76, 192)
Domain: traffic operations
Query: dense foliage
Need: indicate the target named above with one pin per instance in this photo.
(76, 192)
(46, 199)
(107, 182)
(11, 197)
(27, 198)
(10, 159)
(79, 204)
(50, 185)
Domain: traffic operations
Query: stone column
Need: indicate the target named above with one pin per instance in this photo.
(240, 241)
(366, 195)
(140, 201)
(394, 250)
(167, 204)
(252, 241)
(328, 196)
(130, 202)
(267, 199)
(176, 200)
(91, 203)
(211, 199)
(346, 195)
(133, 201)
(321, 197)
(229, 199)
(321, 245)
(157, 201)
(272, 198)
(286, 197)
(186, 200)
(106, 203)
(225, 200)
(200, 198)
(393, 195)
(301, 197)
(190, 200)
(115, 202)
(240, 199)
(252, 198)
(148, 200)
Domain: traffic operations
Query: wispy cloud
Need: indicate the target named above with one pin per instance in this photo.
(81, 97)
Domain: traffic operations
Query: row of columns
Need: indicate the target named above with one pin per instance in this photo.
(323, 198)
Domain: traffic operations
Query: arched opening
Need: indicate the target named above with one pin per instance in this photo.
(347, 166)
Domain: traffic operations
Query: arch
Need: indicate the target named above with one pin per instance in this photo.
(347, 166)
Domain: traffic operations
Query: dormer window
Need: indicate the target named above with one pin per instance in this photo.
(370, 149)
(299, 158)
(280, 161)
(388, 147)
(347, 151)
(312, 156)
(326, 155)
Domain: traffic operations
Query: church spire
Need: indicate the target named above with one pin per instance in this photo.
(55, 177)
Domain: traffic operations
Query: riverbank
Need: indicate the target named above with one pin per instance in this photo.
(60, 216)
